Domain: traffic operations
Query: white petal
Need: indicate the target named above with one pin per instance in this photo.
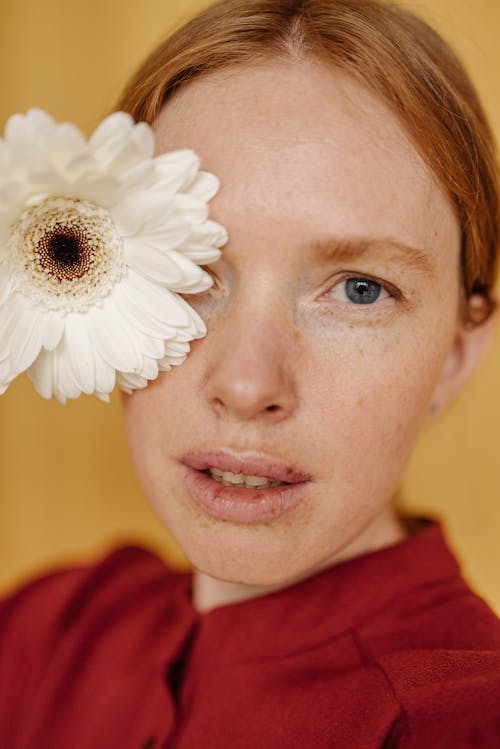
(171, 269)
(5, 285)
(176, 170)
(5, 157)
(62, 144)
(153, 263)
(141, 210)
(190, 207)
(66, 383)
(171, 360)
(200, 255)
(195, 285)
(130, 304)
(23, 129)
(6, 375)
(205, 186)
(141, 176)
(103, 190)
(137, 149)
(114, 337)
(12, 197)
(145, 343)
(119, 143)
(102, 396)
(105, 377)
(129, 381)
(25, 341)
(176, 348)
(41, 375)
(80, 348)
(52, 330)
(10, 313)
(149, 368)
(159, 303)
(118, 125)
(83, 165)
(210, 233)
(43, 178)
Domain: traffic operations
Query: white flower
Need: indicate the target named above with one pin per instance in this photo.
(97, 240)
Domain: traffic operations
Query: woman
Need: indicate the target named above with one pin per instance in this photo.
(352, 302)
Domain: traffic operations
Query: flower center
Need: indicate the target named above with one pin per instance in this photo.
(66, 254)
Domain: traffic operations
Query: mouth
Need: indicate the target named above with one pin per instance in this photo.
(242, 487)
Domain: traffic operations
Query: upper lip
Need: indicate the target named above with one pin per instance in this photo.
(249, 463)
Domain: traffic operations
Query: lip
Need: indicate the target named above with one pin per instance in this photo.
(240, 504)
(250, 463)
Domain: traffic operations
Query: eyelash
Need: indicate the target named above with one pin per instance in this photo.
(392, 291)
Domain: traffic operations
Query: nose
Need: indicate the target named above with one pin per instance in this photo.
(250, 371)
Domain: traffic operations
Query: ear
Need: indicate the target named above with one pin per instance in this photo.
(470, 346)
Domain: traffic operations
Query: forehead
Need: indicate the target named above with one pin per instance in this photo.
(304, 144)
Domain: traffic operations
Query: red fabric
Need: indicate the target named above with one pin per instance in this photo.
(390, 649)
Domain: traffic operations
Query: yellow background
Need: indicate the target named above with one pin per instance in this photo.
(67, 487)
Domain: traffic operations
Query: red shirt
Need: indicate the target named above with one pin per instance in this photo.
(390, 649)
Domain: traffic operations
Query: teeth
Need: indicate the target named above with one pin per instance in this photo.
(241, 479)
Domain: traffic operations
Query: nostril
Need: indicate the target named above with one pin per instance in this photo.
(272, 408)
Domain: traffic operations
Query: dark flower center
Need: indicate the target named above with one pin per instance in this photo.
(65, 252)
(64, 249)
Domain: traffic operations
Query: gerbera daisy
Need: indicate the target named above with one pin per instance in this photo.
(98, 239)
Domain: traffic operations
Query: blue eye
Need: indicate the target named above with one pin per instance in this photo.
(362, 290)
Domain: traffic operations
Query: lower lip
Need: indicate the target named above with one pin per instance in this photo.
(241, 505)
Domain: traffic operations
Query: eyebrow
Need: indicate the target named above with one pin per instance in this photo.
(344, 249)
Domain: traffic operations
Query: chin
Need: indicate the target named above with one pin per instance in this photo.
(256, 556)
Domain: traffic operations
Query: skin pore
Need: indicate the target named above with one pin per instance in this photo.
(319, 185)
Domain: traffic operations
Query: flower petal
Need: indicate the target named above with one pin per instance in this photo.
(41, 375)
(190, 207)
(80, 349)
(155, 264)
(128, 382)
(176, 170)
(105, 376)
(26, 341)
(159, 303)
(52, 331)
(22, 129)
(104, 190)
(204, 186)
(5, 285)
(114, 337)
(67, 384)
(132, 308)
(9, 315)
(149, 214)
(118, 143)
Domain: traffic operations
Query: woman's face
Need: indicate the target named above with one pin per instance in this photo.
(332, 318)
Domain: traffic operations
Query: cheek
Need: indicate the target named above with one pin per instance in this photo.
(150, 417)
(369, 393)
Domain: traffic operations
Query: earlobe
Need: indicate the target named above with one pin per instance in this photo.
(469, 348)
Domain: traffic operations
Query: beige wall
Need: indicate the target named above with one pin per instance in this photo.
(67, 485)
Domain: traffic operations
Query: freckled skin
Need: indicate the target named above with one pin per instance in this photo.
(351, 384)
